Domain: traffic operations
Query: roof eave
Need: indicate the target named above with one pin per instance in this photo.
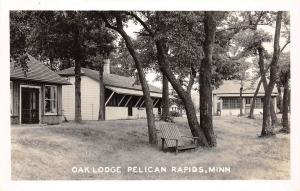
(132, 88)
(41, 81)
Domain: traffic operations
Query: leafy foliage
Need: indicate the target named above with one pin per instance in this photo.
(284, 68)
(59, 37)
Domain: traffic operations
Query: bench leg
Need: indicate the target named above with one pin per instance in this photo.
(162, 144)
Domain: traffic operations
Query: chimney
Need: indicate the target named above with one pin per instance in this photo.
(106, 66)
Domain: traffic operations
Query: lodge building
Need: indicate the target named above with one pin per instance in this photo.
(226, 98)
(123, 97)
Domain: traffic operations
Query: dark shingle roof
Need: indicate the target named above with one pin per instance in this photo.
(37, 71)
(233, 87)
(109, 79)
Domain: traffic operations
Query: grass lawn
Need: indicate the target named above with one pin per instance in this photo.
(50, 152)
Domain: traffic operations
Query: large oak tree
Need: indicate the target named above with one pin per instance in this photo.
(118, 26)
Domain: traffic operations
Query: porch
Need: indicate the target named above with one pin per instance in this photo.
(35, 103)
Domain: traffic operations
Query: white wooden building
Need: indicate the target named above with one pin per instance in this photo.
(226, 99)
(123, 98)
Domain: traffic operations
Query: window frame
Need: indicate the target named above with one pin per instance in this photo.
(248, 100)
(229, 104)
(46, 99)
(259, 104)
(11, 98)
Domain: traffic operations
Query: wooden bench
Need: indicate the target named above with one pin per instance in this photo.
(173, 140)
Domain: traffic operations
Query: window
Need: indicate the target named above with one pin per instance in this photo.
(248, 101)
(259, 102)
(231, 103)
(50, 99)
(11, 98)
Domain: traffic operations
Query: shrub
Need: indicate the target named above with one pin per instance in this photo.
(174, 114)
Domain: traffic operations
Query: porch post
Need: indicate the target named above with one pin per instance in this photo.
(109, 98)
(128, 101)
(142, 103)
(121, 100)
(137, 102)
(156, 102)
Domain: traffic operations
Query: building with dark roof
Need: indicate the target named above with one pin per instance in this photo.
(123, 97)
(35, 95)
(226, 98)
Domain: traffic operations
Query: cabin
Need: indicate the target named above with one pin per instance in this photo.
(35, 94)
(226, 98)
(174, 108)
(123, 96)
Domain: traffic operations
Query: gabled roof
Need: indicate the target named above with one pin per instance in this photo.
(233, 87)
(37, 72)
(109, 79)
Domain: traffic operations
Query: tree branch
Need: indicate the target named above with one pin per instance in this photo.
(192, 79)
(107, 24)
(142, 34)
(259, 17)
(242, 54)
(142, 23)
(233, 28)
(287, 42)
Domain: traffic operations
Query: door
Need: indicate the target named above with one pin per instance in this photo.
(247, 105)
(30, 105)
(129, 111)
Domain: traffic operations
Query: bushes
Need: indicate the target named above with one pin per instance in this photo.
(175, 114)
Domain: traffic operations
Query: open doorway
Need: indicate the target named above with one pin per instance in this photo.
(30, 105)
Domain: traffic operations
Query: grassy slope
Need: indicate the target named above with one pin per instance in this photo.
(50, 152)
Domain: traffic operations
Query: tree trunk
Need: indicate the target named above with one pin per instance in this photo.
(285, 111)
(260, 50)
(77, 70)
(77, 54)
(262, 70)
(205, 78)
(266, 128)
(146, 93)
(165, 100)
(251, 115)
(184, 96)
(279, 98)
(241, 99)
(51, 60)
(101, 116)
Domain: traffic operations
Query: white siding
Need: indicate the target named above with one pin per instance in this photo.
(225, 112)
(112, 113)
(89, 99)
(256, 111)
(139, 112)
(155, 111)
(90, 103)
(68, 99)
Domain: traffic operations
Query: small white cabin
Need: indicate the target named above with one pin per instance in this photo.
(123, 98)
(226, 98)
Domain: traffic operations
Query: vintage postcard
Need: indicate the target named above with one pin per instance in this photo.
(193, 92)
